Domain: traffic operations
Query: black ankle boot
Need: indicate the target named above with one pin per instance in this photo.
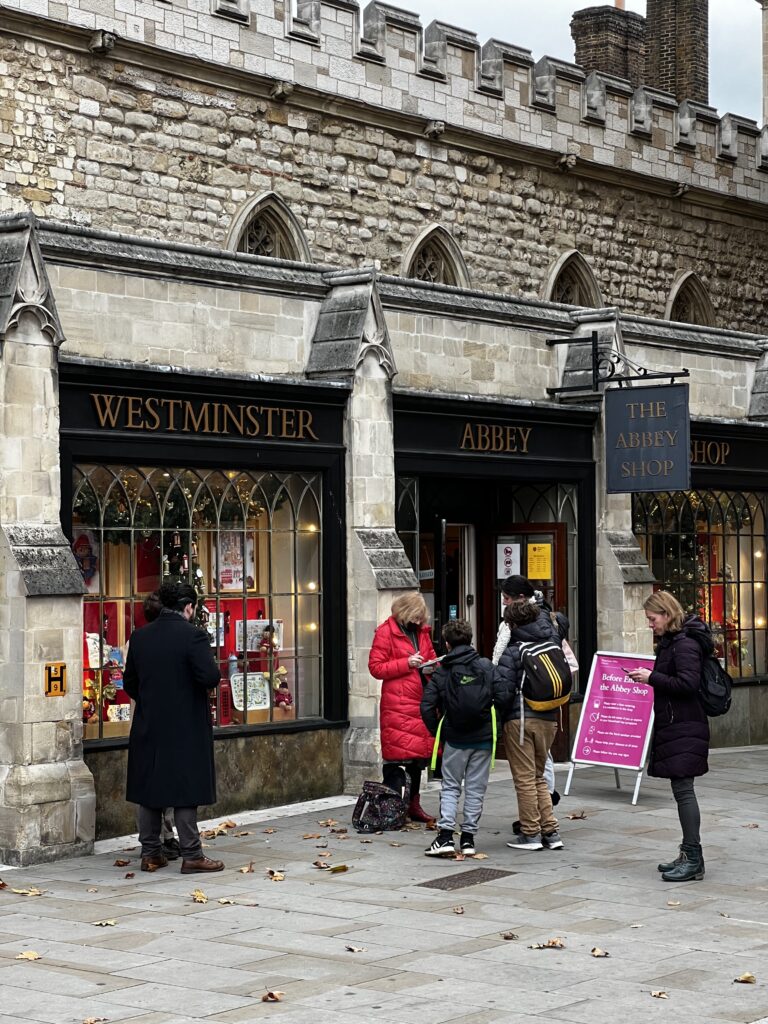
(690, 867)
(678, 860)
(672, 863)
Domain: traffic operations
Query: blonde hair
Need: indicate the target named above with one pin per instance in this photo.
(664, 603)
(410, 608)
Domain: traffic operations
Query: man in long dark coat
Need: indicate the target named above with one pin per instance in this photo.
(169, 672)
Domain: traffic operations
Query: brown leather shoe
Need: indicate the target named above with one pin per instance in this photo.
(153, 863)
(189, 867)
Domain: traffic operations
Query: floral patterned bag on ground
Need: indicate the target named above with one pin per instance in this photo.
(378, 809)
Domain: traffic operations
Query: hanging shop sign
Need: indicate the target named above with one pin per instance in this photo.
(647, 439)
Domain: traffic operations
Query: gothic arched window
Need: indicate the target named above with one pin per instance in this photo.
(436, 258)
(689, 302)
(268, 227)
(572, 282)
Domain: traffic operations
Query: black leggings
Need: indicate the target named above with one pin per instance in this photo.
(414, 769)
(687, 810)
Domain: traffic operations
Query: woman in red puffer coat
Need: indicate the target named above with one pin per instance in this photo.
(400, 646)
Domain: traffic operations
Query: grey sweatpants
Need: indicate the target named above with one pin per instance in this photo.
(472, 767)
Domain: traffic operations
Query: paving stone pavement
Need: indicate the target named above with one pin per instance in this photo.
(372, 944)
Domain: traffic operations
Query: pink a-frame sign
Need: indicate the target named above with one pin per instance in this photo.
(616, 717)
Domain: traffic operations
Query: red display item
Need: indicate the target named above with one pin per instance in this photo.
(225, 702)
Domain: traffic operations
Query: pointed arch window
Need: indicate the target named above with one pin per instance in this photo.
(268, 227)
(436, 259)
(573, 283)
(689, 302)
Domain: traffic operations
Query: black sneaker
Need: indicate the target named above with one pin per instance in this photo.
(467, 843)
(552, 841)
(442, 844)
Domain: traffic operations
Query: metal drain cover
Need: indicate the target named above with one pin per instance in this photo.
(465, 878)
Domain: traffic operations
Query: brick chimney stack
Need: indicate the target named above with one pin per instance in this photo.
(677, 47)
(612, 40)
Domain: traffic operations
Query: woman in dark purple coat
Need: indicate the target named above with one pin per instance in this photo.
(680, 743)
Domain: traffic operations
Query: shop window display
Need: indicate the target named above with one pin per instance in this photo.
(709, 549)
(250, 543)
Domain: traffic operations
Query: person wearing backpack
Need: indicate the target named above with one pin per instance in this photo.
(458, 708)
(527, 749)
(680, 743)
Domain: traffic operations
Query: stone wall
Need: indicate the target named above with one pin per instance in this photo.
(132, 149)
(108, 315)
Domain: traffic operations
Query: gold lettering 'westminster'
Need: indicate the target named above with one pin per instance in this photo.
(179, 415)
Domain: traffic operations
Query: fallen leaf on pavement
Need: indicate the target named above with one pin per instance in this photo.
(366, 840)
(458, 910)
(431, 826)
(659, 995)
(395, 844)
(312, 835)
(328, 823)
(509, 935)
(338, 868)
(578, 816)
(105, 924)
(323, 846)
(32, 890)
(635, 926)
(269, 831)
(228, 824)
(746, 979)
(356, 949)
(339, 831)
(95, 1020)
(460, 856)
(239, 835)
(272, 997)
(752, 824)
(29, 955)
(120, 863)
(198, 896)
(479, 856)
(673, 903)
(227, 901)
(248, 869)
(129, 874)
(556, 943)
(320, 864)
(91, 890)
(275, 876)
(3, 885)
(723, 914)
(596, 951)
(411, 826)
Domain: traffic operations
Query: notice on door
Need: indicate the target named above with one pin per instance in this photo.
(617, 714)
(539, 562)
(507, 560)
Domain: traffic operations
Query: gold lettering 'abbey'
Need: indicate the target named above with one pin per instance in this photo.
(183, 416)
(495, 437)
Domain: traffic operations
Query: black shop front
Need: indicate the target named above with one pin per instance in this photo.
(489, 489)
(236, 486)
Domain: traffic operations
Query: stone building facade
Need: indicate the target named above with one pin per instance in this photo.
(284, 279)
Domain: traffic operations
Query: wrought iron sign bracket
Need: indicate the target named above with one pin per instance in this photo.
(605, 365)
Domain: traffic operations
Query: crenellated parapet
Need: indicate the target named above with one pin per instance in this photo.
(382, 56)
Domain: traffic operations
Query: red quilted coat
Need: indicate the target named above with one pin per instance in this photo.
(403, 734)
